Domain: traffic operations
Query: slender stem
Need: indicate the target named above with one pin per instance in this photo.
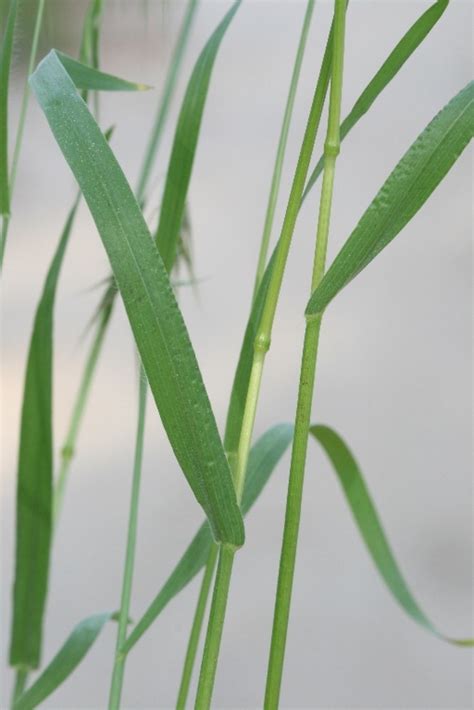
(21, 676)
(165, 102)
(21, 120)
(277, 170)
(196, 628)
(261, 346)
(119, 665)
(215, 628)
(68, 448)
(307, 378)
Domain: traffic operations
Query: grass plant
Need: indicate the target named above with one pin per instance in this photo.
(225, 474)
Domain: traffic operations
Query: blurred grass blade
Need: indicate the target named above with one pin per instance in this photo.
(370, 528)
(264, 457)
(90, 40)
(64, 662)
(35, 478)
(165, 101)
(389, 69)
(240, 384)
(5, 62)
(160, 333)
(88, 78)
(185, 142)
(405, 191)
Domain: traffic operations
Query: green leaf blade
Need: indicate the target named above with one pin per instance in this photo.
(403, 194)
(389, 69)
(64, 662)
(91, 79)
(34, 514)
(370, 527)
(160, 333)
(185, 142)
(5, 63)
(264, 456)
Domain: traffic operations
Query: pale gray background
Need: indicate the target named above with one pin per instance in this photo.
(394, 374)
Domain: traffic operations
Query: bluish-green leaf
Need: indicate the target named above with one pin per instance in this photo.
(370, 528)
(389, 69)
(64, 662)
(5, 62)
(185, 142)
(157, 324)
(406, 190)
(264, 456)
(35, 478)
(88, 78)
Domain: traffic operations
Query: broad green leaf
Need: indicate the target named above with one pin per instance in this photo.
(370, 528)
(389, 69)
(244, 366)
(160, 333)
(64, 662)
(5, 62)
(406, 190)
(35, 477)
(185, 141)
(88, 78)
(264, 456)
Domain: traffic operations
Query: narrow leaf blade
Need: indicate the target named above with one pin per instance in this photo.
(158, 326)
(263, 459)
(35, 477)
(370, 528)
(88, 78)
(405, 191)
(64, 662)
(389, 69)
(185, 142)
(5, 62)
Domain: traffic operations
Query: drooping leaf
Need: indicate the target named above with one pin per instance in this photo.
(389, 69)
(35, 477)
(160, 333)
(370, 528)
(264, 456)
(5, 62)
(88, 78)
(185, 142)
(64, 662)
(405, 191)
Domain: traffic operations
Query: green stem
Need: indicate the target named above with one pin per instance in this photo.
(196, 628)
(215, 628)
(119, 665)
(261, 346)
(21, 677)
(307, 378)
(277, 170)
(21, 120)
(165, 102)
(68, 448)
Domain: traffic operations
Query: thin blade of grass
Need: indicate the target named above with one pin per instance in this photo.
(389, 69)
(165, 101)
(34, 511)
(64, 662)
(88, 78)
(240, 384)
(160, 333)
(405, 191)
(264, 457)
(370, 528)
(5, 62)
(185, 142)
